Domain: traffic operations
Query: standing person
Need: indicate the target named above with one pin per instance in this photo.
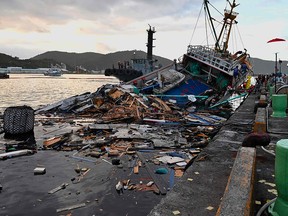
(257, 85)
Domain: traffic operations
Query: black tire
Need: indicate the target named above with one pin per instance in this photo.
(18, 120)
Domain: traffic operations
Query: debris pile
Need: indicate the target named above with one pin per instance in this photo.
(141, 134)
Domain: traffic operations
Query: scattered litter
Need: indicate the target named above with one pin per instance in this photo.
(170, 160)
(181, 164)
(270, 184)
(18, 153)
(196, 173)
(39, 171)
(161, 171)
(210, 208)
(176, 212)
(149, 184)
(119, 187)
(258, 202)
(190, 179)
(61, 187)
(273, 191)
(71, 207)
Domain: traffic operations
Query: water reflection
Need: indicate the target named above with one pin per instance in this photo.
(36, 89)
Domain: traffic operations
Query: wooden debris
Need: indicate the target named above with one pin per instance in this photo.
(71, 207)
(61, 187)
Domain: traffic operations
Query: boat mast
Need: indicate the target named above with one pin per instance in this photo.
(229, 19)
(217, 46)
(150, 44)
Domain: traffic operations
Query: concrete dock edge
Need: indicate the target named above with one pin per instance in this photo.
(237, 199)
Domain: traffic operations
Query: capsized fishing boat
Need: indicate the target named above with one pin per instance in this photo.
(215, 65)
(207, 69)
(136, 67)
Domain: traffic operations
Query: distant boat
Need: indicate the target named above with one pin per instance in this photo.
(4, 75)
(209, 71)
(135, 67)
(53, 72)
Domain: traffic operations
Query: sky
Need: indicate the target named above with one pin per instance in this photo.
(29, 28)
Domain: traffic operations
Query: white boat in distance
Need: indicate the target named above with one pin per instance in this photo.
(53, 72)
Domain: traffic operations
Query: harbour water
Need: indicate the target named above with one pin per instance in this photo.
(36, 89)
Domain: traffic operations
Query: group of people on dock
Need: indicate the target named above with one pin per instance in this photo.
(265, 80)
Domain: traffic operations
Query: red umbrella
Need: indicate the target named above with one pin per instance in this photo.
(275, 40)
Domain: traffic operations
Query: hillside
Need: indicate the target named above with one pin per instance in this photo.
(96, 61)
(267, 67)
(9, 61)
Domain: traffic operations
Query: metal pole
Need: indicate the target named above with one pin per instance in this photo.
(276, 69)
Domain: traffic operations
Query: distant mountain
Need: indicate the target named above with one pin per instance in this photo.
(268, 67)
(97, 61)
(9, 61)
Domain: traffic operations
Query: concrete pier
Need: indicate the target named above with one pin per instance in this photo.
(224, 184)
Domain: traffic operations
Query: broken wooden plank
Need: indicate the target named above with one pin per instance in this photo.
(71, 207)
(62, 186)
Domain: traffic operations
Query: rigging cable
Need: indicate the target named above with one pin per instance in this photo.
(216, 8)
(206, 33)
(196, 23)
(240, 36)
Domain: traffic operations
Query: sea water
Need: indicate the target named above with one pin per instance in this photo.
(35, 90)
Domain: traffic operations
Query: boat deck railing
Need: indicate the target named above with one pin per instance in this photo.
(209, 56)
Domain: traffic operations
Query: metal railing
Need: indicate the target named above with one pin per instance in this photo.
(213, 58)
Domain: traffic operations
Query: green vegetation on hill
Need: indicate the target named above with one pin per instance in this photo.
(97, 61)
(9, 61)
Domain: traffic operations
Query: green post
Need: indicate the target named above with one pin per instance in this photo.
(279, 105)
(280, 207)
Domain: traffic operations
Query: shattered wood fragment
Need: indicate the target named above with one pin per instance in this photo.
(163, 104)
(136, 169)
(113, 152)
(179, 173)
(115, 93)
(71, 207)
(98, 101)
(51, 141)
(62, 186)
